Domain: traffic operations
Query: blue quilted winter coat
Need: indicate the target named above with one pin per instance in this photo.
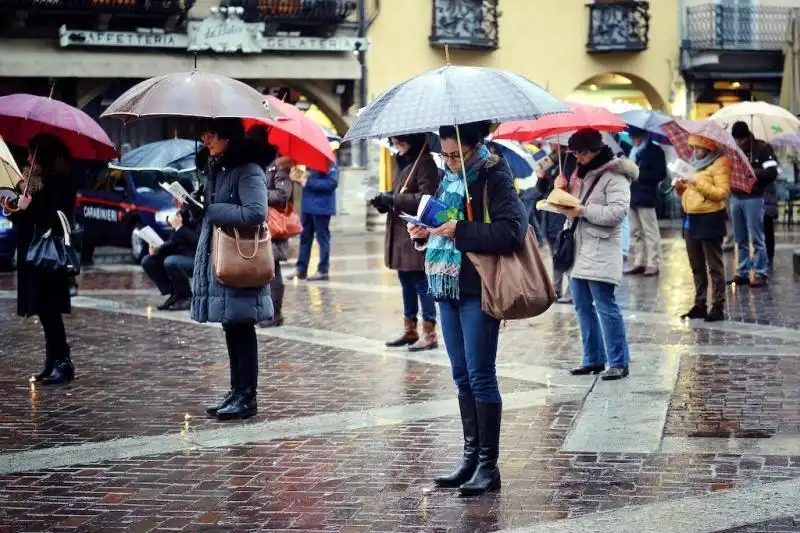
(235, 196)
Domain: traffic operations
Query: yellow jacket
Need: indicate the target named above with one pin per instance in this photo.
(710, 193)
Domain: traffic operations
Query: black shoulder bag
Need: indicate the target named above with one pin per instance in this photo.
(54, 253)
(564, 247)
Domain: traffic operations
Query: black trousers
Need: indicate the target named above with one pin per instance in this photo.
(769, 237)
(705, 260)
(243, 355)
(55, 335)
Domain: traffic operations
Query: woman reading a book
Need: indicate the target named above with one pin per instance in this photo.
(475, 182)
(416, 174)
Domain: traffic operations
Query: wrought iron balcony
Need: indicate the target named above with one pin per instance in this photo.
(470, 24)
(128, 7)
(618, 27)
(297, 11)
(719, 27)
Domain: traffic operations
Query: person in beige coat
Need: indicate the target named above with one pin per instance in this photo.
(597, 271)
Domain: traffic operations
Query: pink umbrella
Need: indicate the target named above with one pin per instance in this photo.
(580, 116)
(787, 140)
(23, 116)
(742, 176)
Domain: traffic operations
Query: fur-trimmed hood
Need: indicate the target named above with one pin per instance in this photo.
(619, 165)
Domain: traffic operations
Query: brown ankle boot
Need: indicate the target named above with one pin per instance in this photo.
(429, 341)
(410, 335)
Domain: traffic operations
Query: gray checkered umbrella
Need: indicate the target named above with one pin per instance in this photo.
(449, 96)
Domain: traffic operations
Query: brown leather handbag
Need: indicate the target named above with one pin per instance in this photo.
(242, 258)
(513, 286)
(284, 223)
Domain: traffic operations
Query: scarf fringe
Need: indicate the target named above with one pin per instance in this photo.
(443, 287)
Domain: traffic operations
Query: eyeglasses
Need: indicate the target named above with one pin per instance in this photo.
(455, 157)
(208, 135)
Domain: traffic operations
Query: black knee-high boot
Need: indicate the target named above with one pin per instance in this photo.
(469, 461)
(487, 475)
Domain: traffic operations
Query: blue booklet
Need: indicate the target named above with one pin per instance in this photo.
(431, 213)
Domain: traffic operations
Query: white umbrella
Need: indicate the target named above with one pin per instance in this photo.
(766, 121)
(10, 175)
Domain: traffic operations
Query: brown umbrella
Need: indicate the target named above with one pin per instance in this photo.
(194, 94)
(790, 88)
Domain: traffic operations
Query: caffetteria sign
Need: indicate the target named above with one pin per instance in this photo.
(221, 34)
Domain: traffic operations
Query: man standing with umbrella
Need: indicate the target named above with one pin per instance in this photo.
(646, 253)
(747, 209)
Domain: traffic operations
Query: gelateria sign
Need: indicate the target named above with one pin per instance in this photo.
(214, 34)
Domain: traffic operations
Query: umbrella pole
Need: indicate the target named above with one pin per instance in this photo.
(470, 215)
(558, 151)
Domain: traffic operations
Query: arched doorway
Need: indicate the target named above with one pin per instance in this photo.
(618, 91)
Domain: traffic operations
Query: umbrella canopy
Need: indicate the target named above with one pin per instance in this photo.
(649, 121)
(452, 95)
(285, 109)
(10, 175)
(302, 140)
(581, 116)
(742, 176)
(172, 155)
(766, 121)
(521, 162)
(787, 140)
(23, 116)
(193, 94)
(790, 87)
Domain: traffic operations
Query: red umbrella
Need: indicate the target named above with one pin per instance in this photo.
(582, 116)
(287, 110)
(23, 116)
(302, 140)
(741, 177)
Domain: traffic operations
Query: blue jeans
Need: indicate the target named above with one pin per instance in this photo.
(319, 225)
(415, 290)
(170, 274)
(471, 336)
(600, 319)
(748, 226)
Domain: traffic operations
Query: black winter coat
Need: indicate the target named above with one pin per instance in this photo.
(182, 242)
(506, 232)
(37, 290)
(652, 170)
(765, 167)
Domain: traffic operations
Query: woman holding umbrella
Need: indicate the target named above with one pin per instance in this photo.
(471, 336)
(235, 196)
(50, 188)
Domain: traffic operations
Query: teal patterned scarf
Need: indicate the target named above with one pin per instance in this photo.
(442, 260)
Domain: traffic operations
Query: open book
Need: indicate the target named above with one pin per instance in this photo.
(681, 168)
(179, 193)
(431, 213)
(148, 235)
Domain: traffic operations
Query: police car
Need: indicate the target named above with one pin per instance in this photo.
(117, 202)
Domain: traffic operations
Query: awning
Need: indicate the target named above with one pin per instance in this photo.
(32, 58)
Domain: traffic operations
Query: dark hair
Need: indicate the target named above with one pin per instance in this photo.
(586, 139)
(417, 141)
(472, 133)
(47, 149)
(230, 129)
(741, 130)
(257, 139)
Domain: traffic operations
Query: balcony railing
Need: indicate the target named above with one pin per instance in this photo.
(297, 11)
(470, 24)
(719, 27)
(128, 7)
(618, 27)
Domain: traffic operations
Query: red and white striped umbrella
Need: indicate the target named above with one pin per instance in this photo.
(742, 176)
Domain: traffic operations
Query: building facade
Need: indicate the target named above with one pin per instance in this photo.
(605, 52)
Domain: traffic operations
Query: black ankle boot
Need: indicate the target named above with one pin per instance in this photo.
(212, 410)
(469, 461)
(49, 363)
(243, 405)
(696, 311)
(487, 476)
(717, 313)
(63, 370)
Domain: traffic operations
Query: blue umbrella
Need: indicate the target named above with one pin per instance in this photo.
(649, 121)
(172, 155)
(521, 162)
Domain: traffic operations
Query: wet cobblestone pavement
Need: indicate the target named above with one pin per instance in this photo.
(704, 435)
